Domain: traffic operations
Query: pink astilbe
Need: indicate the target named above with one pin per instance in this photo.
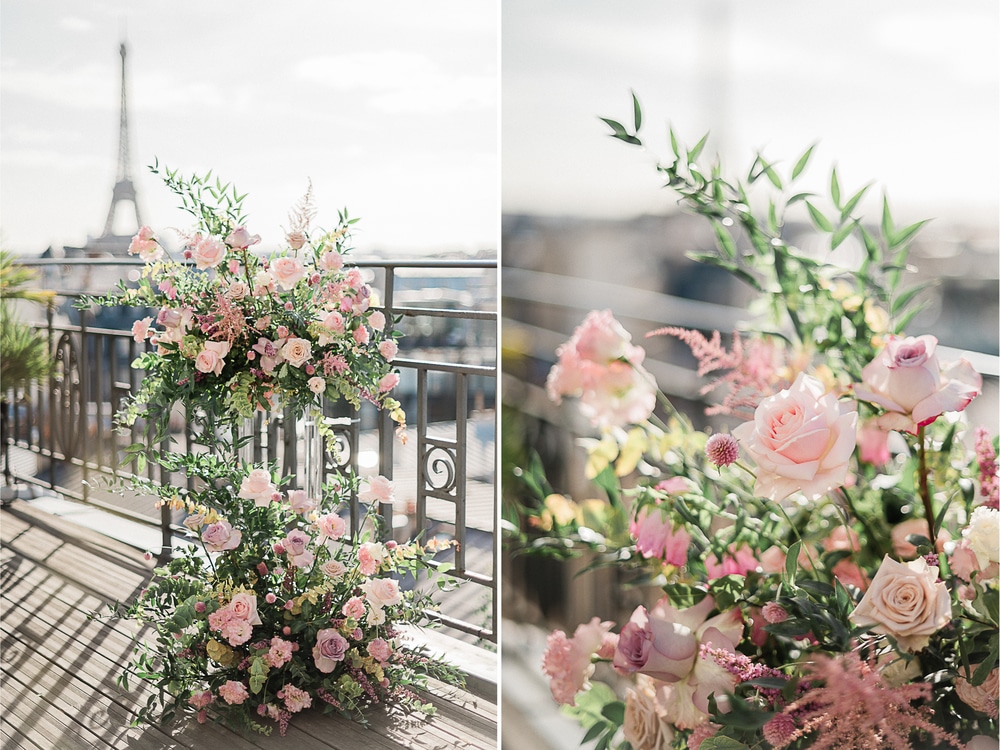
(986, 456)
(849, 707)
(753, 368)
(225, 322)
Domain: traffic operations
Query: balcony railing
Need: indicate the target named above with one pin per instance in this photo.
(60, 434)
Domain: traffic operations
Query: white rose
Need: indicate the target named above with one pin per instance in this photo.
(983, 534)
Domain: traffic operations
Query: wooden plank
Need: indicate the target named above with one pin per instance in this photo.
(43, 723)
(12, 739)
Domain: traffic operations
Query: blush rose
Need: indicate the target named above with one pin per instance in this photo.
(330, 648)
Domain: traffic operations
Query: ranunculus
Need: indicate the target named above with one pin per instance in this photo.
(656, 536)
(382, 592)
(906, 601)
(212, 357)
(907, 381)
(388, 382)
(221, 536)
(316, 384)
(330, 649)
(287, 271)
(388, 349)
(257, 486)
(983, 534)
(207, 252)
(233, 692)
(980, 697)
(645, 728)
(244, 607)
(296, 351)
(376, 319)
(140, 329)
(567, 661)
(602, 367)
(801, 440)
(296, 545)
(379, 489)
(300, 502)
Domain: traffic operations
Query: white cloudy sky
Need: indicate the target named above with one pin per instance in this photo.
(903, 92)
(390, 107)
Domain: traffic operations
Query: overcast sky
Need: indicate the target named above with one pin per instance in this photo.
(903, 92)
(390, 108)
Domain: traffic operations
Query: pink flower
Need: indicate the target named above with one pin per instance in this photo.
(917, 526)
(906, 601)
(295, 239)
(280, 652)
(388, 349)
(656, 536)
(140, 329)
(331, 526)
(331, 261)
(774, 612)
(873, 445)
(354, 608)
(244, 607)
(980, 697)
(567, 661)
(241, 239)
(221, 536)
(287, 272)
(388, 382)
(268, 351)
(295, 698)
(333, 568)
(145, 246)
(296, 351)
(739, 561)
(376, 319)
(380, 650)
(382, 592)
(212, 357)
(296, 545)
(361, 335)
(201, 699)
(370, 556)
(257, 486)
(801, 440)
(207, 252)
(907, 381)
(300, 502)
(673, 486)
(645, 727)
(842, 538)
(602, 367)
(379, 489)
(722, 449)
(233, 692)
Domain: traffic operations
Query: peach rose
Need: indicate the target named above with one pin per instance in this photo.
(287, 272)
(296, 352)
(906, 601)
(316, 384)
(644, 727)
(333, 568)
(207, 252)
(243, 606)
(212, 357)
(907, 381)
(980, 697)
(257, 486)
(801, 440)
(382, 592)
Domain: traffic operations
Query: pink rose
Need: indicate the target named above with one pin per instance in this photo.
(380, 650)
(243, 606)
(739, 561)
(287, 272)
(300, 502)
(656, 536)
(980, 697)
(257, 486)
(140, 329)
(388, 349)
(331, 526)
(376, 320)
(354, 608)
(906, 601)
(316, 384)
(907, 381)
(330, 648)
(221, 536)
(331, 261)
(873, 445)
(567, 661)
(801, 440)
(207, 252)
(360, 335)
(296, 352)
(241, 239)
(382, 592)
(388, 382)
(379, 489)
(333, 568)
(233, 693)
(296, 545)
(145, 246)
(212, 357)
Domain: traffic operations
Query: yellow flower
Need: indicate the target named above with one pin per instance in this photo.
(563, 510)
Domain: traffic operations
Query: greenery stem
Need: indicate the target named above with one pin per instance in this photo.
(925, 490)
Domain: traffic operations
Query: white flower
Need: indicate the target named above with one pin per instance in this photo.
(983, 534)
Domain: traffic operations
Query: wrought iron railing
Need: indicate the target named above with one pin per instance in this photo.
(62, 437)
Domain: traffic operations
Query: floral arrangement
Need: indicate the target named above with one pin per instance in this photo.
(273, 607)
(823, 571)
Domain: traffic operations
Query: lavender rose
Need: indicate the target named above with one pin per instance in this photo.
(330, 648)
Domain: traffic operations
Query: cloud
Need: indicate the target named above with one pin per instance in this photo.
(75, 23)
(86, 87)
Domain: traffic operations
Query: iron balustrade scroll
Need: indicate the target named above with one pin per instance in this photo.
(60, 434)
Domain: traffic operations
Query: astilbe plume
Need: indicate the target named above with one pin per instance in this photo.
(751, 376)
(986, 456)
(225, 321)
(849, 707)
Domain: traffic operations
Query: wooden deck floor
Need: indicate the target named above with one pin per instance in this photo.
(58, 688)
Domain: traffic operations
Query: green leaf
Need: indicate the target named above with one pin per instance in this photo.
(853, 202)
(835, 188)
(801, 163)
(818, 218)
(792, 562)
(799, 197)
(593, 732)
(694, 153)
(674, 146)
(725, 240)
(906, 297)
(842, 234)
(721, 742)
(772, 175)
(887, 226)
(637, 112)
(614, 712)
(906, 234)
